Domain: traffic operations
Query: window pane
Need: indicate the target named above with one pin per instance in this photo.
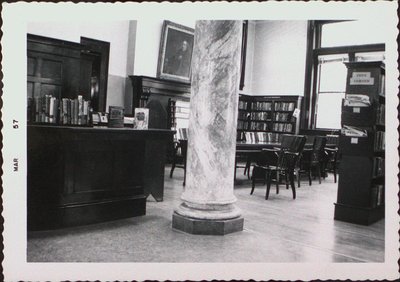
(333, 73)
(329, 110)
(352, 33)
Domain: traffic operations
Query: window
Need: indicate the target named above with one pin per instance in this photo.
(350, 33)
(335, 43)
(331, 88)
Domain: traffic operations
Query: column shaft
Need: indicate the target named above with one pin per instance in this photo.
(208, 194)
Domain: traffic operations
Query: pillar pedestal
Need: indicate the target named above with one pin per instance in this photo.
(205, 226)
(207, 206)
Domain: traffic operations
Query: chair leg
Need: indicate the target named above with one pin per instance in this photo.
(184, 172)
(291, 178)
(286, 181)
(172, 170)
(253, 183)
(298, 177)
(268, 184)
(334, 174)
(319, 173)
(247, 169)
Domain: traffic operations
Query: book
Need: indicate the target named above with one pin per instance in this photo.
(141, 118)
(115, 117)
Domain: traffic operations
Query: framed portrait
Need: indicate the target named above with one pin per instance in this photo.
(175, 55)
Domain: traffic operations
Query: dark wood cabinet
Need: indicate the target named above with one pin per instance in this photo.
(146, 89)
(361, 189)
(86, 175)
(53, 67)
(58, 70)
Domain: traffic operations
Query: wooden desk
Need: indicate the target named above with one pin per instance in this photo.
(79, 175)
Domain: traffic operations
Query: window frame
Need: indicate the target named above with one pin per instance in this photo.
(314, 50)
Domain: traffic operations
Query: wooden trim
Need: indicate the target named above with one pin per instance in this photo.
(243, 54)
(101, 48)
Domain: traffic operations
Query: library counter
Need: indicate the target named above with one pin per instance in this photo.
(83, 175)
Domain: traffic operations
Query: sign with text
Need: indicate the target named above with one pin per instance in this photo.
(361, 78)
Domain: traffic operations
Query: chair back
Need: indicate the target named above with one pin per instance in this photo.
(288, 160)
(291, 149)
(293, 143)
(318, 148)
(332, 139)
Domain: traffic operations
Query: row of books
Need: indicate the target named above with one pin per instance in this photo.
(243, 115)
(380, 114)
(284, 106)
(49, 109)
(74, 111)
(242, 105)
(262, 106)
(379, 143)
(378, 167)
(260, 115)
(44, 109)
(282, 127)
(242, 125)
(377, 195)
(282, 116)
(178, 113)
(258, 125)
(256, 137)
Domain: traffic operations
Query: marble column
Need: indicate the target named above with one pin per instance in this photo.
(207, 200)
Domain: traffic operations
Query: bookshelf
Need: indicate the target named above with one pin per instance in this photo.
(265, 118)
(178, 117)
(361, 189)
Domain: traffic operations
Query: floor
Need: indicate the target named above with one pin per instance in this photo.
(278, 230)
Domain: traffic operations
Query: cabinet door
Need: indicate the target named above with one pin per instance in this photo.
(52, 74)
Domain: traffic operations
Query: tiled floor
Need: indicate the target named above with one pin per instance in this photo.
(278, 230)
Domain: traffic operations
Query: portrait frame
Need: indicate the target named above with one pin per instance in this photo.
(175, 54)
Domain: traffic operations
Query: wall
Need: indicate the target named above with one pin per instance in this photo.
(279, 58)
(117, 33)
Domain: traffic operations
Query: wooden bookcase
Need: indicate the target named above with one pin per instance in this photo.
(263, 118)
(361, 189)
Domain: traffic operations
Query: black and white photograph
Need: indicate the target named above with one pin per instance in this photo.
(192, 145)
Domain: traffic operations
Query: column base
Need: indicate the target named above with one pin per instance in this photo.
(206, 226)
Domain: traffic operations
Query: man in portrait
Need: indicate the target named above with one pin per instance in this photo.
(177, 61)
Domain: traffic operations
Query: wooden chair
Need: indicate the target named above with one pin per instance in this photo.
(313, 160)
(180, 153)
(280, 162)
(331, 156)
